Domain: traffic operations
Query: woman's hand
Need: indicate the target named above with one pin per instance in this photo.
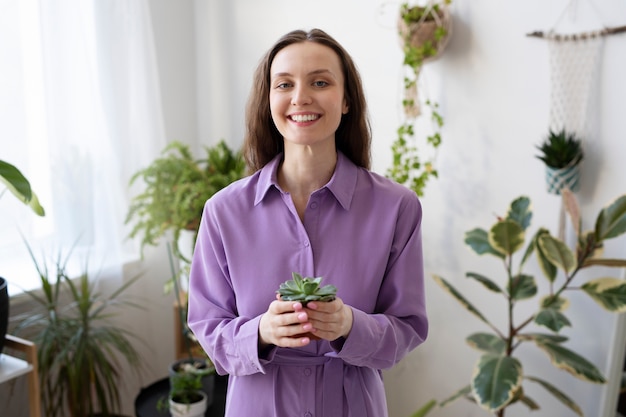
(285, 324)
(330, 320)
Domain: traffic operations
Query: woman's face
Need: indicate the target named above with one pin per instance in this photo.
(307, 94)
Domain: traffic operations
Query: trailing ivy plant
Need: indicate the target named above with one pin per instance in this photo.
(498, 376)
(408, 166)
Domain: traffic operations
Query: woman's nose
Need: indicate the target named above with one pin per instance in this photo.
(301, 95)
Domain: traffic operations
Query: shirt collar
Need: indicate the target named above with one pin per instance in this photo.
(342, 184)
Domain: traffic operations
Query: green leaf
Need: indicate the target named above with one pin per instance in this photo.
(572, 362)
(449, 288)
(557, 252)
(558, 394)
(520, 212)
(522, 287)
(19, 186)
(610, 293)
(506, 237)
(495, 381)
(542, 337)
(489, 284)
(425, 409)
(611, 221)
(487, 343)
(552, 319)
(547, 267)
(610, 262)
(478, 240)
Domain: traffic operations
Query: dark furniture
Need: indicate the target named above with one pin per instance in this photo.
(146, 401)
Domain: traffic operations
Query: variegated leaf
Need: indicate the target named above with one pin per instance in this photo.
(611, 221)
(558, 394)
(446, 286)
(552, 319)
(557, 252)
(569, 361)
(495, 380)
(610, 293)
(489, 284)
(557, 303)
(478, 240)
(487, 342)
(542, 337)
(520, 212)
(506, 237)
(522, 287)
(547, 267)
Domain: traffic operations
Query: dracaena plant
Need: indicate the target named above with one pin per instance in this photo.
(498, 377)
(305, 289)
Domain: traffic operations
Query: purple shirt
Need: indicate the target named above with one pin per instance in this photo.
(361, 233)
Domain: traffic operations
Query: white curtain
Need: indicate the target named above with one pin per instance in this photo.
(80, 112)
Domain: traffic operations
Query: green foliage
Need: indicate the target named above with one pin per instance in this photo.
(177, 186)
(19, 186)
(561, 149)
(81, 353)
(186, 383)
(408, 166)
(497, 379)
(306, 289)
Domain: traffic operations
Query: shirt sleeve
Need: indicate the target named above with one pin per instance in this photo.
(399, 324)
(229, 340)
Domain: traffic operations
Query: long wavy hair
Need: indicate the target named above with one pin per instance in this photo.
(263, 141)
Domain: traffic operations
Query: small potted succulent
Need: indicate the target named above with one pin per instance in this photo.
(305, 289)
(562, 153)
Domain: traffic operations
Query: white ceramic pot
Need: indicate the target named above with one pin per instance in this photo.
(189, 410)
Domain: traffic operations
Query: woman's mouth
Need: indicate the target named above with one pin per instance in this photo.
(300, 118)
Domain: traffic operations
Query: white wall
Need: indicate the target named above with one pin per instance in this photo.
(493, 86)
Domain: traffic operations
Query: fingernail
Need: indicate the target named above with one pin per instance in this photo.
(307, 327)
(302, 316)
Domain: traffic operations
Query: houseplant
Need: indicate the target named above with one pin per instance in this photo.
(498, 376)
(186, 397)
(561, 152)
(176, 187)
(424, 32)
(19, 186)
(81, 353)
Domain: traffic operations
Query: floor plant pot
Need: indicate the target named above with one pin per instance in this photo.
(559, 178)
(208, 381)
(196, 409)
(4, 311)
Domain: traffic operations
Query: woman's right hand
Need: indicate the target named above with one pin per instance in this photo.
(285, 324)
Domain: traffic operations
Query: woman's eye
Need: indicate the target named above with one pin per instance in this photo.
(320, 83)
(283, 85)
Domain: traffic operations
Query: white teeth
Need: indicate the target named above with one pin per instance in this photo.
(303, 117)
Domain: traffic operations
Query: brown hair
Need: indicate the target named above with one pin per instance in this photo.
(262, 140)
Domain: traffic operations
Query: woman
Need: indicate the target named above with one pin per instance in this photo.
(310, 206)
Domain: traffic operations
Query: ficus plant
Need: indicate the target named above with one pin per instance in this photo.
(498, 378)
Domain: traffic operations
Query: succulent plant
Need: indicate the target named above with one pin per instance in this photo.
(561, 149)
(306, 289)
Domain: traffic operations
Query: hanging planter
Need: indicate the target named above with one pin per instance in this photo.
(424, 32)
(562, 153)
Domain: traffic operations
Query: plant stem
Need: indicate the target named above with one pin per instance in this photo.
(181, 314)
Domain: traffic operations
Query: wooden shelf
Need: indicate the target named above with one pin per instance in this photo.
(12, 367)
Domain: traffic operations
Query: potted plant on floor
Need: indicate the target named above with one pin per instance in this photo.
(424, 32)
(186, 397)
(498, 378)
(562, 153)
(81, 352)
(15, 182)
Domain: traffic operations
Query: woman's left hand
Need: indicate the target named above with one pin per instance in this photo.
(331, 320)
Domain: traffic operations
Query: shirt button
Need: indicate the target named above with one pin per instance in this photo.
(307, 371)
(306, 243)
(307, 414)
(313, 205)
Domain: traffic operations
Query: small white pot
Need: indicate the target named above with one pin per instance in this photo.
(189, 410)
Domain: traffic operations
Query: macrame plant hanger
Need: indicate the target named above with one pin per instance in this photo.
(574, 62)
